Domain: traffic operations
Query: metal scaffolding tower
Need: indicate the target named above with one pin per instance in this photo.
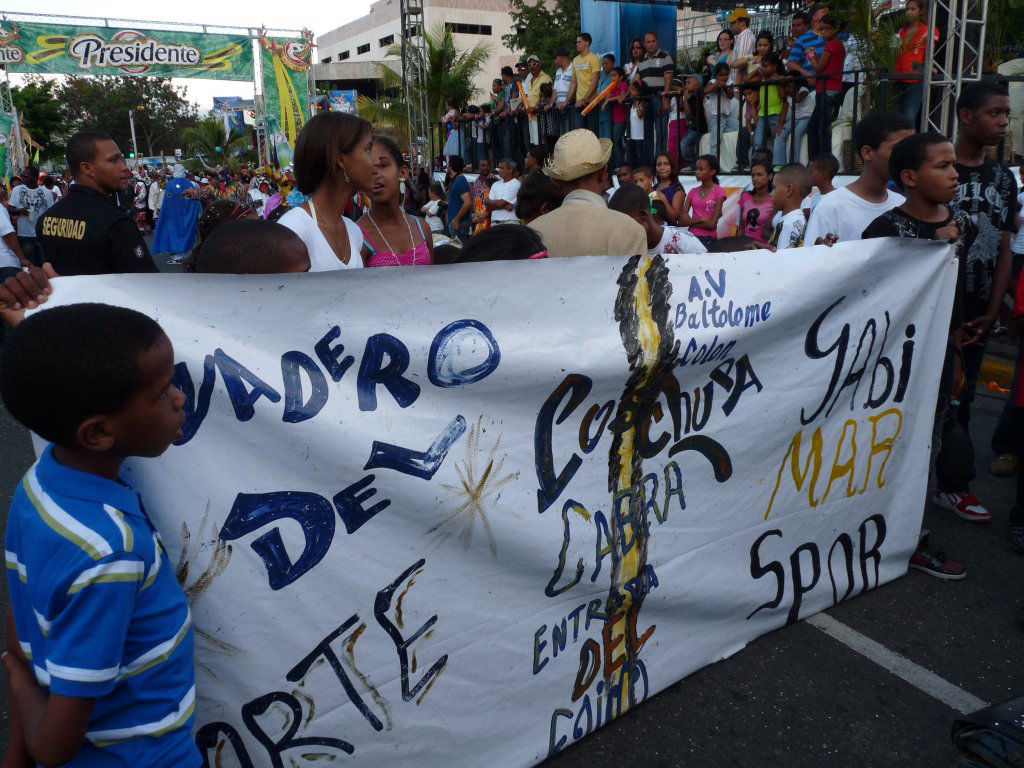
(414, 70)
(956, 58)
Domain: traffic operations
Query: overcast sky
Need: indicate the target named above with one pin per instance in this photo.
(281, 14)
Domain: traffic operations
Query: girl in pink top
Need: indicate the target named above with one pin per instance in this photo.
(756, 207)
(703, 206)
(391, 237)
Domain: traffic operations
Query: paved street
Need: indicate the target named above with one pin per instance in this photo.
(798, 697)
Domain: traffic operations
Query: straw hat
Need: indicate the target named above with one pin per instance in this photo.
(578, 153)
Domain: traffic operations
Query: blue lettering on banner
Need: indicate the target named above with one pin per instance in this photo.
(460, 338)
(295, 408)
(422, 464)
(372, 372)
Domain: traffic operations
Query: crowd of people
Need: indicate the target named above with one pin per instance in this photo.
(769, 92)
(95, 382)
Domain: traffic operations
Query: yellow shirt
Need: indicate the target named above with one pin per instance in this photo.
(586, 69)
(533, 96)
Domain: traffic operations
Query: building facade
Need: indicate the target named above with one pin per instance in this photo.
(365, 41)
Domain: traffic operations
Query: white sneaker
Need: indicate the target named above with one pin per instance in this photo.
(966, 506)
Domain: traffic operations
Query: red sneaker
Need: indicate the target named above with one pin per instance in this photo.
(966, 506)
(938, 565)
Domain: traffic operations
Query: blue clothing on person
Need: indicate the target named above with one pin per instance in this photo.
(458, 188)
(100, 615)
(798, 53)
(176, 224)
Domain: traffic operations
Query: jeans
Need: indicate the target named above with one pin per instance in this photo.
(780, 154)
(565, 120)
(691, 143)
(819, 140)
(743, 148)
(618, 144)
(655, 129)
(720, 125)
(604, 122)
(1006, 438)
(32, 249)
(765, 125)
(636, 152)
(908, 100)
(588, 121)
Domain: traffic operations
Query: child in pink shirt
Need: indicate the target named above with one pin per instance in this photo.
(703, 206)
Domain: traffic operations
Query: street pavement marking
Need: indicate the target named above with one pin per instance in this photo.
(952, 696)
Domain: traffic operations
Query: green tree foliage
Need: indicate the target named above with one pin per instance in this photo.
(162, 111)
(542, 28)
(40, 114)
(208, 148)
(449, 72)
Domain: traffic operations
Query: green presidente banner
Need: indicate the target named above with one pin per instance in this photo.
(75, 50)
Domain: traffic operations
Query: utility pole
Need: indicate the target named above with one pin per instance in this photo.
(135, 146)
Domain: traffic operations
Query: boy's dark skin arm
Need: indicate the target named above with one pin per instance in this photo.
(16, 755)
(53, 727)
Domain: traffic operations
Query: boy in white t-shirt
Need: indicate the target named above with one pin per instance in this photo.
(844, 213)
(11, 257)
(635, 203)
(791, 185)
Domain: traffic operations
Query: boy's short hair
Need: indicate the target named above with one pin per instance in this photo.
(764, 154)
(659, 210)
(630, 200)
(586, 36)
(246, 247)
(545, 89)
(827, 163)
(507, 71)
(829, 20)
(646, 170)
(910, 153)
(798, 175)
(67, 364)
(456, 163)
(803, 16)
(562, 52)
(610, 57)
(973, 96)
(877, 127)
(81, 148)
(720, 68)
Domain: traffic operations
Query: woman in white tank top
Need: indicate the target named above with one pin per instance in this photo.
(332, 162)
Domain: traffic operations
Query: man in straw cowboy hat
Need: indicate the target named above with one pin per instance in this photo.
(583, 225)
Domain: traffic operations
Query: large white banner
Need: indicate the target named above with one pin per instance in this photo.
(464, 516)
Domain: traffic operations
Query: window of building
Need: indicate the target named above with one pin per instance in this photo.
(363, 49)
(326, 61)
(412, 31)
(384, 42)
(469, 29)
(343, 55)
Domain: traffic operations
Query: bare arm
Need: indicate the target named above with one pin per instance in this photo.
(572, 89)
(467, 203)
(684, 216)
(53, 726)
(12, 242)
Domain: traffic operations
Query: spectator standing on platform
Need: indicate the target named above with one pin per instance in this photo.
(537, 78)
(718, 104)
(696, 120)
(723, 55)
(910, 59)
(828, 87)
(28, 202)
(615, 106)
(637, 124)
(585, 69)
(743, 46)
(773, 108)
(805, 39)
(561, 83)
(656, 75)
(460, 201)
(583, 225)
(604, 117)
(799, 112)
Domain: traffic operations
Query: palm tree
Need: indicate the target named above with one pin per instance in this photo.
(208, 147)
(449, 72)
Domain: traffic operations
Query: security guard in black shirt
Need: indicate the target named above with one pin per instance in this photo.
(85, 233)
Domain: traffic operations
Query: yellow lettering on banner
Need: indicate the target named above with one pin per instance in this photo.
(793, 453)
(847, 467)
(882, 446)
(845, 463)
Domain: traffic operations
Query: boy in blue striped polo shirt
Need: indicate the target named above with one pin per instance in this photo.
(101, 673)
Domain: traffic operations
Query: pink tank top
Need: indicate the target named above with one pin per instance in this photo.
(418, 256)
